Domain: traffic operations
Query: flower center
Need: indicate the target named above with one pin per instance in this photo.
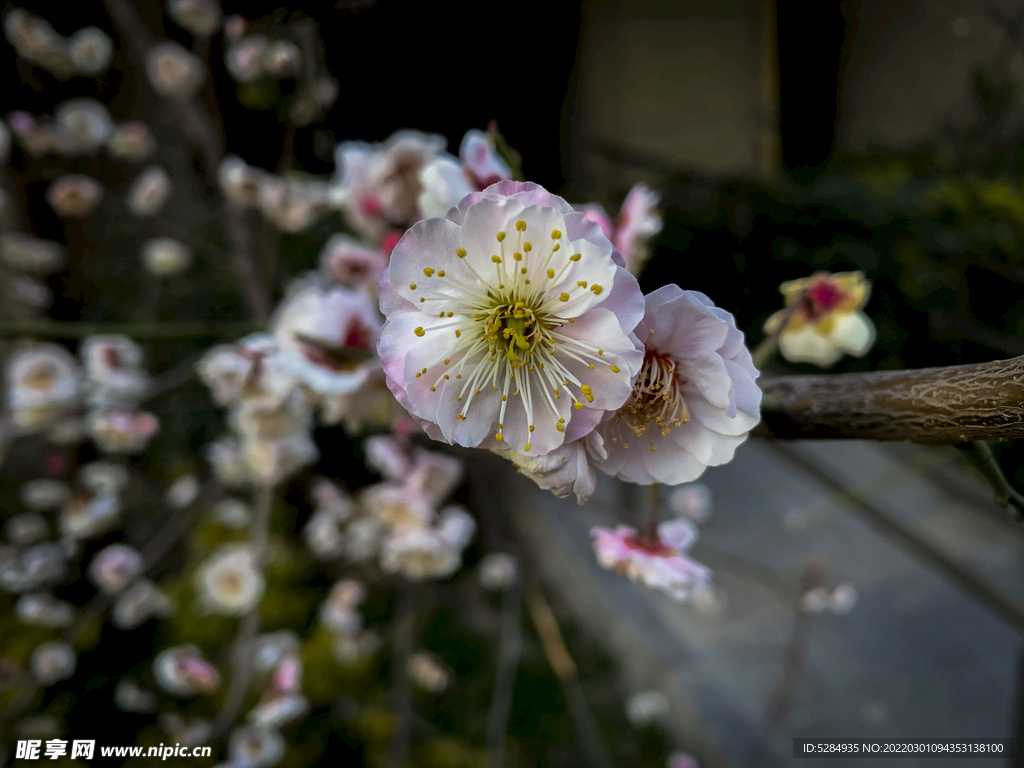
(42, 377)
(657, 397)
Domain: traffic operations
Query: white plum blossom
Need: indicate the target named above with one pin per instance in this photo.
(131, 140)
(429, 552)
(52, 662)
(379, 185)
(427, 671)
(122, 432)
(182, 671)
(82, 517)
(200, 17)
(174, 71)
(244, 59)
(446, 180)
(255, 747)
(26, 528)
(44, 610)
(348, 262)
(103, 477)
(165, 256)
(282, 59)
(692, 500)
(183, 491)
(113, 375)
(149, 192)
(509, 322)
(138, 603)
(90, 49)
(74, 196)
(42, 386)
(695, 399)
(567, 469)
(646, 708)
(657, 561)
(230, 582)
(114, 567)
(28, 253)
(827, 322)
(43, 494)
(85, 125)
(498, 571)
(638, 221)
(249, 368)
(129, 697)
(482, 163)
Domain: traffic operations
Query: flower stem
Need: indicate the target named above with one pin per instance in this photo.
(650, 535)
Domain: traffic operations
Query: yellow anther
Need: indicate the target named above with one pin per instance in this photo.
(527, 246)
(418, 375)
(591, 367)
(589, 396)
(422, 301)
(428, 271)
(556, 248)
(557, 396)
(501, 237)
(419, 331)
(561, 421)
(424, 370)
(559, 427)
(433, 389)
(531, 428)
(504, 398)
(441, 315)
(581, 283)
(564, 297)
(412, 286)
(459, 333)
(523, 270)
(576, 257)
(440, 273)
(556, 235)
(450, 314)
(498, 437)
(526, 447)
(596, 289)
(615, 369)
(461, 253)
(517, 256)
(446, 377)
(458, 375)
(447, 360)
(577, 405)
(496, 259)
(572, 320)
(459, 399)
(551, 273)
(520, 226)
(585, 387)
(494, 389)
(600, 351)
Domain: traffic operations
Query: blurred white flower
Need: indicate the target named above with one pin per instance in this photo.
(681, 760)
(74, 196)
(183, 491)
(363, 539)
(323, 535)
(29, 292)
(498, 572)
(350, 263)
(114, 567)
(200, 17)
(292, 205)
(113, 377)
(329, 496)
(103, 477)
(52, 662)
(351, 649)
(26, 528)
(129, 697)
(427, 671)
(338, 611)
(82, 517)
(269, 650)
(188, 731)
(692, 501)
(843, 598)
(646, 708)
(229, 581)
(43, 494)
(816, 600)
(240, 182)
(282, 59)
(182, 671)
(165, 256)
(42, 386)
(397, 506)
(149, 192)
(428, 553)
(244, 59)
(35, 39)
(28, 253)
(122, 432)
(138, 603)
(227, 458)
(91, 50)
(174, 72)
(232, 513)
(255, 747)
(44, 610)
(250, 368)
(444, 183)
(84, 125)
(388, 456)
(131, 141)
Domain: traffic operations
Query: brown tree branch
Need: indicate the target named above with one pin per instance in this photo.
(932, 406)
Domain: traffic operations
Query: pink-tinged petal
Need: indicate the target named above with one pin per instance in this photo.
(390, 302)
(587, 281)
(747, 395)
(579, 227)
(431, 246)
(597, 214)
(716, 419)
(610, 389)
(627, 303)
(706, 375)
(480, 418)
(483, 221)
(685, 328)
(583, 422)
(483, 162)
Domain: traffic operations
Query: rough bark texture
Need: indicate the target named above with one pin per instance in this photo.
(933, 406)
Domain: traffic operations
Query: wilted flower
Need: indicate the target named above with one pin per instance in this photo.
(379, 185)
(230, 581)
(149, 192)
(129, 697)
(74, 196)
(657, 561)
(85, 125)
(43, 494)
(90, 49)
(350, 263)
(82, 517)
(695, 399)
(122, 432)
(692, 500)
(244, 59)
(165, 256)
(103, 477)
(52, 662)
(427, 672)
(44, 610)
(646, 708)
(27, 253)
(174, 72)
(138, 603)
(498, 572)
(200, 17)
(494, 345)
(132, 141)
(26, 528)
(182, 671)
(255, 747)
(42, 385)
(282, 59)
(183, 491)
(114, 567)
(828, 322)
(112, 371)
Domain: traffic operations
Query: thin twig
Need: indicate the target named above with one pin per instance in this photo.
(565, 669)
(980, 455)
(234, 700)
(400, 744)
(505, 678)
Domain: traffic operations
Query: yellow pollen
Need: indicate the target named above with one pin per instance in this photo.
(441, 315)
(424, 370)
(498, 437)
(564, 297)
(526, 447)
(596, 289)
(501, 237)
(450, 314)
(523, 270)
(556, 248)
(422, 301)
(531, 428)
(581, 283)
(412, 286)
(527, 246)
(520, 226)
(591, 366)
(589, 396)
(428, 271)
(458, 375)
(576, 257)
(418, 375)
(559, 427)
(504, 398)
(447, 360)
(551, 273)
(440, 273)
(433, 389)
(446, 377)
(561, 421)
(419, 331)
(496, 259)
(577, 405)
(517, 256)
(461, 253)
(615, 369)
(557, 396)
(572, 320)
(585, 387)
(556, 235)
(457, 333)
(459, 399)
(494, 389)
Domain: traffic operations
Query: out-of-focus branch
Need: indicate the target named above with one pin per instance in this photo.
(241, 652)
(400, 743)
(202, 129)
(508, 663)
(932, 406)
(189, 329)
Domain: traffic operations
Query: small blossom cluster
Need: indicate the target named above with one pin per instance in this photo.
(291, 203)
(25, 262)
(87, 52)
(351, 643)
(81, 127)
